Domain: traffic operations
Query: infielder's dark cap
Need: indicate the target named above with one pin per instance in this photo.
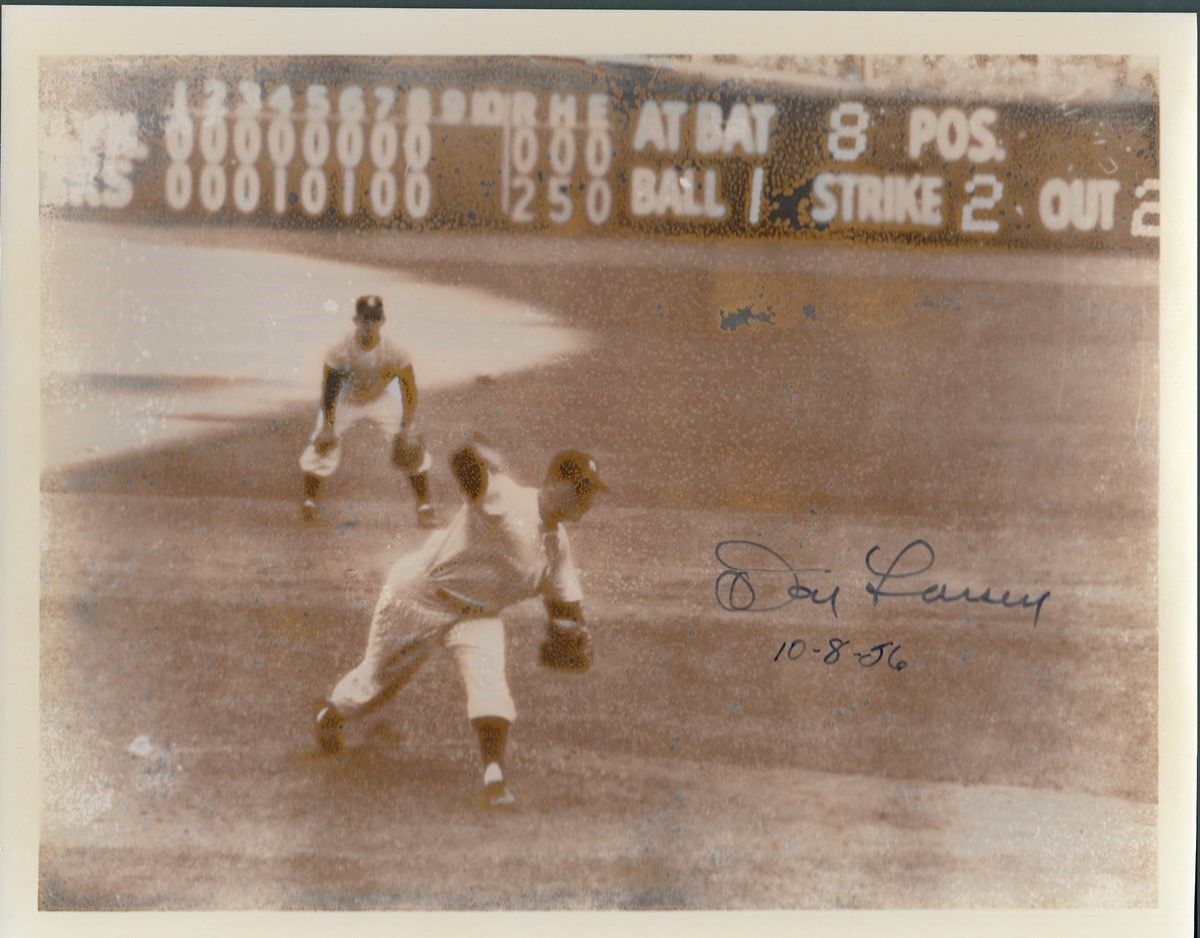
(368, 307)
(577, 466)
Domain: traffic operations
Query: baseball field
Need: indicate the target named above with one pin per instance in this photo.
(817, 401)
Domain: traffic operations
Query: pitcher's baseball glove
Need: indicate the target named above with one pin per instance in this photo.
(567, 647)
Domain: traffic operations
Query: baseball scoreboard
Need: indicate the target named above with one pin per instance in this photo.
(588, 148)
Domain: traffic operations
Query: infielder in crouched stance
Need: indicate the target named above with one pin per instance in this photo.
(367, 377)
(506, 544)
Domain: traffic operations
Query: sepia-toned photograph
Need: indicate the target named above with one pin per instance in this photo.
(598, 482)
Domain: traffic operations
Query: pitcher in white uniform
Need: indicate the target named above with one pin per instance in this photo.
(367, 378)
(508, 543)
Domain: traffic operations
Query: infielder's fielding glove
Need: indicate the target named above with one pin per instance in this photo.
(567, 647)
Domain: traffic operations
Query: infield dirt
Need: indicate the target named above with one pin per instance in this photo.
(1003, 408)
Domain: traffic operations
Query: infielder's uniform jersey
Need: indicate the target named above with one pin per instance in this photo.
(494, 553)
(369, 391)
(366, 372)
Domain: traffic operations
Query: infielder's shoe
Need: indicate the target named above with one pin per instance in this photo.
(426, 516)
(497, 797)
(328, 729)
(308, 511)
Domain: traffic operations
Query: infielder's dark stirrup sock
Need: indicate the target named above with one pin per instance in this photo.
(493, 738)
(420, 486)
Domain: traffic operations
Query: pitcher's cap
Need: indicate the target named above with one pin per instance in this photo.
(577, 466)
(369, 307)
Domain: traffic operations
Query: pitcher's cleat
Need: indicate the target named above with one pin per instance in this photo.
(308, 511)
(497, 797)
(426, 516)
(328, 729)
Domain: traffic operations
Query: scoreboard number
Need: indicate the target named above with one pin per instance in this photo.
(995, 192)
(386, 99)
(560, 200)
(1140, 227)
(598, 201)
(523, 187)
(848, 124)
